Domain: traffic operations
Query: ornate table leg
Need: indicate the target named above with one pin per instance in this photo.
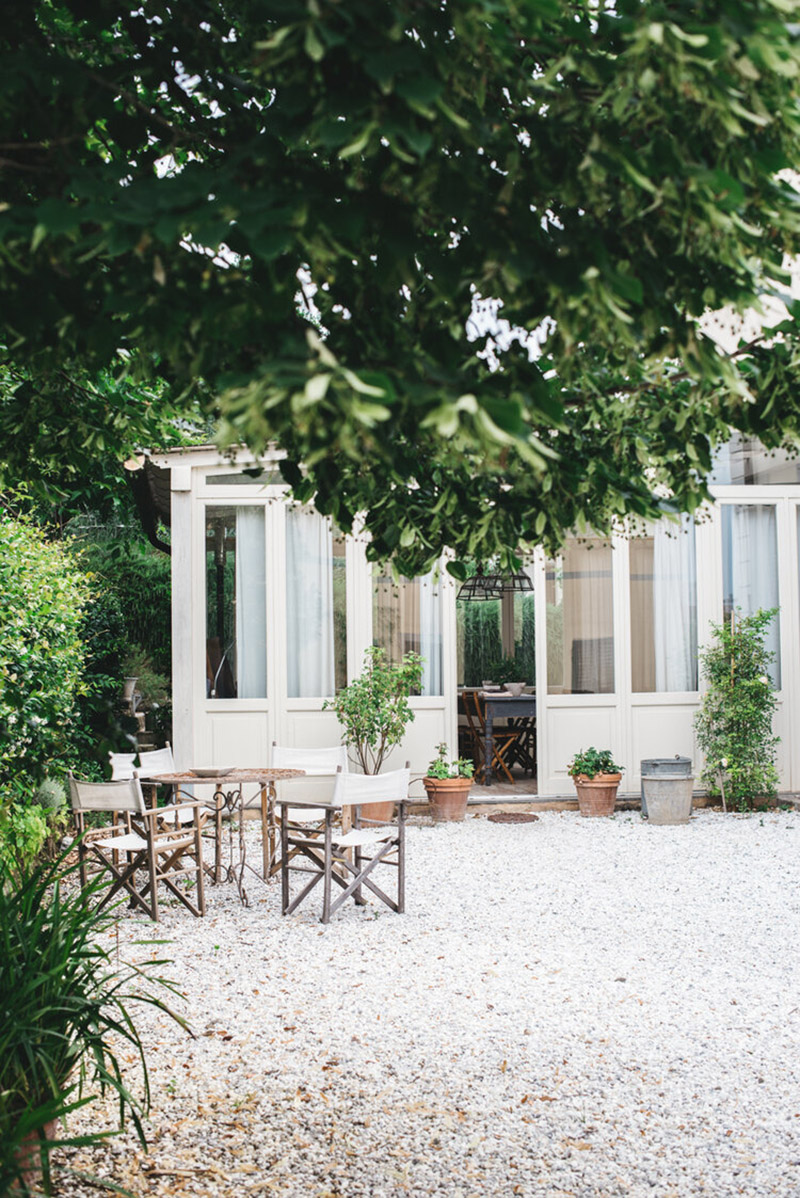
(488, 745)
(238, 805)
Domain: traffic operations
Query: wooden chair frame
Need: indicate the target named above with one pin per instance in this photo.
(153, 841)
(343, 858)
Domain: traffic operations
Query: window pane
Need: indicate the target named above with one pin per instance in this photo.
(236, 607)
(525, 636)
(479, 640)
(315, 605)
(247, 478)
(744, 460)
(663, 588)
(580, 619)
(407, 618)
(750, 567)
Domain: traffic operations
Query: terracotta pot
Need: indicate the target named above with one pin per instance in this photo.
(597, 795)
(380, 812)
(29, 1157)
(447, 797)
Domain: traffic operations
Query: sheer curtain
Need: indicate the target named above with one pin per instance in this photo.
(430, 634)
(675, 606)
(588, 617)
(751, 568)
(251, 606)
(309, 605)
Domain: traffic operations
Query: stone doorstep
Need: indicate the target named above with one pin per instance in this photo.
(532, 803)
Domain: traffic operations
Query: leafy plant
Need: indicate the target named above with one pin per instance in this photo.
(100, 722)
(479, 632)
(591, 761)
(734, 723)
(152, 686)
(648, 190)
(374, 710)
(440, 767)
(66, 1027)
(506, 669)
(44, 595)
(23, 832)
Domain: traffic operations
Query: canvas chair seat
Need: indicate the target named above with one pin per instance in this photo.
(132, 842)
(340, 859)
(362, 837)
(154, 843)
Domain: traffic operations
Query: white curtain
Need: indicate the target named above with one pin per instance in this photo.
(309, 605)
(251, 607)
(588, 615)
(430, 634)
(675, 606)
(754, 567)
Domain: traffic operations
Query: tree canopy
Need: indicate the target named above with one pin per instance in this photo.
(173, 176)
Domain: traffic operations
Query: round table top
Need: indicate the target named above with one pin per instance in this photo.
(227, 776)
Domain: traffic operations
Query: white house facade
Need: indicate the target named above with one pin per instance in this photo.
(273, 610)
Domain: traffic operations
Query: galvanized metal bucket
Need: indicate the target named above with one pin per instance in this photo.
(653, 766)
(669, 798)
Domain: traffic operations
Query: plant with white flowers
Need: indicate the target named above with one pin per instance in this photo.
(734, 723)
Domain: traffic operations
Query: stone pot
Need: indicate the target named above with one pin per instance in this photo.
(597, 795)
(447, 798)
(515, 688)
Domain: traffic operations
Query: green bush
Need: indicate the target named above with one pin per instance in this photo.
(23, 833)
(101, 724)
(734, 723)
(141, 581)
(479, 623)
(43, 596)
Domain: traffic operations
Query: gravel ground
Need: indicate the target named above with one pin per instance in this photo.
(568, 1007)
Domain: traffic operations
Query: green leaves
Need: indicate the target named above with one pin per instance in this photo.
(604, 176)
(374, 710)
(734, 724)
(42, 597)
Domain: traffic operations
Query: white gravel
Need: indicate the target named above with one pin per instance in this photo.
(568, 1007)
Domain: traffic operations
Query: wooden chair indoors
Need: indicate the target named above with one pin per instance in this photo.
(317, 763)
(329, 854)
(502, 739)
(142, 840)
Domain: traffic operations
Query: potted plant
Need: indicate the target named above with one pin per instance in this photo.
(448, 784)
(66, 1026)
(597, 778)
(374, 712)
(507, 673)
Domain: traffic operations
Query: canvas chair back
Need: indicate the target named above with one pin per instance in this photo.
(351, 789)
(124, 795)
(122, 766)
(156, 761)
(313, 761)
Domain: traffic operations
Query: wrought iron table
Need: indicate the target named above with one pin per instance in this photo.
(228, 797)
